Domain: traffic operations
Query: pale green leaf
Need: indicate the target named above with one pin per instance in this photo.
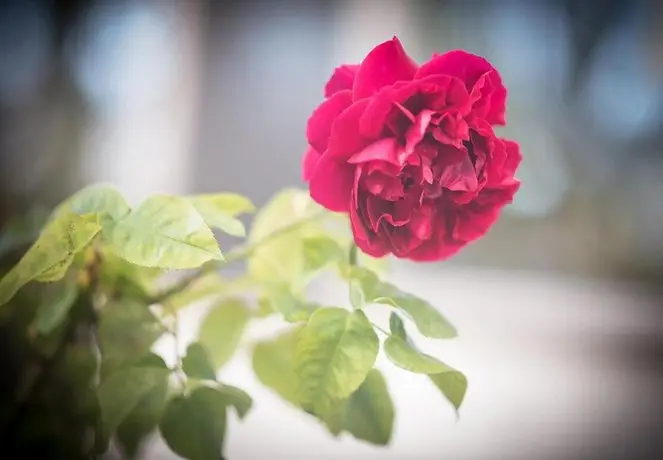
(403, 353)
(320, 251)
(52, 312)
(293, 308)
(102, 199)
(119, 394)
(51, 253)
(429, 321)
(194, 426)
(56, 272)
(280, 260)
(273, 364)
(237, 398)
(369, 412)
(452, 384)
(197, 364)
(335, 352)
(164, 232)
(222, 329)
(231, 204)
(214, 215)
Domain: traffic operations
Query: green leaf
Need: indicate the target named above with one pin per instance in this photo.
(273, 364)
(335, 352)
(293, 308)
(127, 328)
(145, 416)
(369, 412)
(56, 272)
(237, 398)
(196, 364)
(164, 232)
(320, 251)
(52, 312)
(55, 247)
(281, 260)
(212, 211)
(401, 352)
(222, 328)
(452, 384)
(119, 277)
(102, 199)
(429, 321)
(194, 426)
(231, 204)
(123, 390)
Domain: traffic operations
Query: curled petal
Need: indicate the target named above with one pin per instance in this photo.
(386, 64)
(310, 161)
(386, 150)
(331, 183)
(319, 124)
(343, 78)
(480, 78)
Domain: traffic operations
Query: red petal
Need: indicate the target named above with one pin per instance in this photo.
(311, 158)
(343, 78)
(345, 138)
(480, 78)
(331, 184)
(320, 122)
(386, 150)
(386, 64)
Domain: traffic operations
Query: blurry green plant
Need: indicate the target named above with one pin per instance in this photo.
(86, 297)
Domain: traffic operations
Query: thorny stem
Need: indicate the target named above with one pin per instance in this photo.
(234, 255)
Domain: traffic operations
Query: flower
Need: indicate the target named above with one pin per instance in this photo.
(409, 151)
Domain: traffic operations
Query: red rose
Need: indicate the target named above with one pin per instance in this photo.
(409, 151)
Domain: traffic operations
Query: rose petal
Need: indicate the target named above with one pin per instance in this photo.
(331, 183)
(480, 78)
(343, 78)
(456, 170)
(320, 122)
(417, 131)
(345, 138)
(310, 161)
(387, 63)
(386, 150)
(513, 157)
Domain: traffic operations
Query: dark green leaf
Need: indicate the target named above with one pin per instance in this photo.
(165, 232)
(335, 352)
(54, 309)
(369, 412)
(222, 329)
(123, 390)
(127, 328)
(142, 420)
(237, 398)
(196, 364)
(51, 253)
(194, 426)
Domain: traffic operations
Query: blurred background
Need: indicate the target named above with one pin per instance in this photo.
(559, 308)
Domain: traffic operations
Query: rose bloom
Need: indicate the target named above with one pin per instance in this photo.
(409, 151)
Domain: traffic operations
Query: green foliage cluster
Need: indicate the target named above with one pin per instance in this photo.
(98, 256)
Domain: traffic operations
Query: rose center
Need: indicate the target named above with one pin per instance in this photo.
(407, 181)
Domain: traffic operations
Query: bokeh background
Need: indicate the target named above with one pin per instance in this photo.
(559, 308)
